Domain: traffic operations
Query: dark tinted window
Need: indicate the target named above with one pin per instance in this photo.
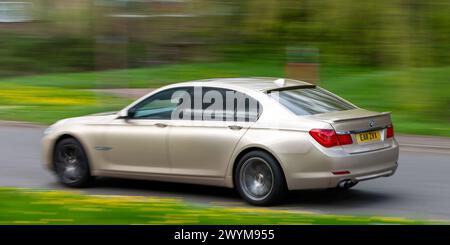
(310, 101)
(215, 104)
(229, 105)
(162, 104)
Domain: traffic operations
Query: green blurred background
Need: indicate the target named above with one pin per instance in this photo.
(382, 55)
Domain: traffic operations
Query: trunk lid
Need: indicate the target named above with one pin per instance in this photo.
(367, 128)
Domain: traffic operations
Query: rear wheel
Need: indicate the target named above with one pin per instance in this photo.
(259, 178)
(71, 163)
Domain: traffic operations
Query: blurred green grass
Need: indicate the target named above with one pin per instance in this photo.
(47, 104)
(27, 206)
(418, 97)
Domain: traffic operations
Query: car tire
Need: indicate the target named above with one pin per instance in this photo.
(71, 163)
(259, 179)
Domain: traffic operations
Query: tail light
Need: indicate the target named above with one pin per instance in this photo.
(345, 139)
(329, 138)
(390, 131)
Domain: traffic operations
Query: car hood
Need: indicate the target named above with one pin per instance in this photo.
(97, 118)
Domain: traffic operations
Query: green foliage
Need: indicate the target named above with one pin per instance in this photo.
(384, 33)
(23, 54)
(38, 207)
(389, 33)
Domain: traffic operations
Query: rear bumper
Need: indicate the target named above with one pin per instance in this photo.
(315, 170)
(375, 175)
(334, 181)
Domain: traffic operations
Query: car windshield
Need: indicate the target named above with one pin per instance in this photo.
(310, 101)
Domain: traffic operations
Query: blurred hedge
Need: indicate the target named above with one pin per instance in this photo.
(22, 54)
(389, 33)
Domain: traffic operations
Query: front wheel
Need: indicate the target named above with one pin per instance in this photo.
(71, 163)
(259, 179)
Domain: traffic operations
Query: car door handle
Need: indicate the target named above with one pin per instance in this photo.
(235, 127)
(160, 125)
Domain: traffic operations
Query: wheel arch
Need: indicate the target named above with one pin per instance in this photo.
(250, 149)
(62, 137)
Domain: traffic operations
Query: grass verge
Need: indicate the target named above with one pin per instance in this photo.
(418, 98)
(27, 206)
(46, 105)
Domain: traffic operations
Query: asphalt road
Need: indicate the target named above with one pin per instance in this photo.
(419, 189)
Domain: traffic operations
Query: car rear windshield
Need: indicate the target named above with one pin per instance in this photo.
(310, 101)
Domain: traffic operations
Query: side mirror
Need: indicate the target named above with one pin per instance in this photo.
(126, 114)
(131, 112)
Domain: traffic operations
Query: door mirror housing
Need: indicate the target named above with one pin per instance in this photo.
(127, 114)
(131, 112)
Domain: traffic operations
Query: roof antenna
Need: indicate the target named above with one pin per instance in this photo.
(279, 82)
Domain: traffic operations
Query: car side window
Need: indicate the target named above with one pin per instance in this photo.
(310, 101)
(162, 105)
(228, 105)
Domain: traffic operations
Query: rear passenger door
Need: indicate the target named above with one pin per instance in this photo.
(203, 145)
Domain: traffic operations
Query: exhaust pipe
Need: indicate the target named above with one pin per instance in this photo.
(346, 184)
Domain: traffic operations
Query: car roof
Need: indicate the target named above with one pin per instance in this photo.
(254, 83)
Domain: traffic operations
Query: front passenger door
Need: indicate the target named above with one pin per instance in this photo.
(138, 144)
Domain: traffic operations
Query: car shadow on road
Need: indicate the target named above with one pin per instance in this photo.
(165, 188)
(310, 198)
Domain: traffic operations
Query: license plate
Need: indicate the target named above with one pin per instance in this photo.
(366, 137)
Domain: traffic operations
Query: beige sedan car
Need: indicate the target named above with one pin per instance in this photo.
(262, 136)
